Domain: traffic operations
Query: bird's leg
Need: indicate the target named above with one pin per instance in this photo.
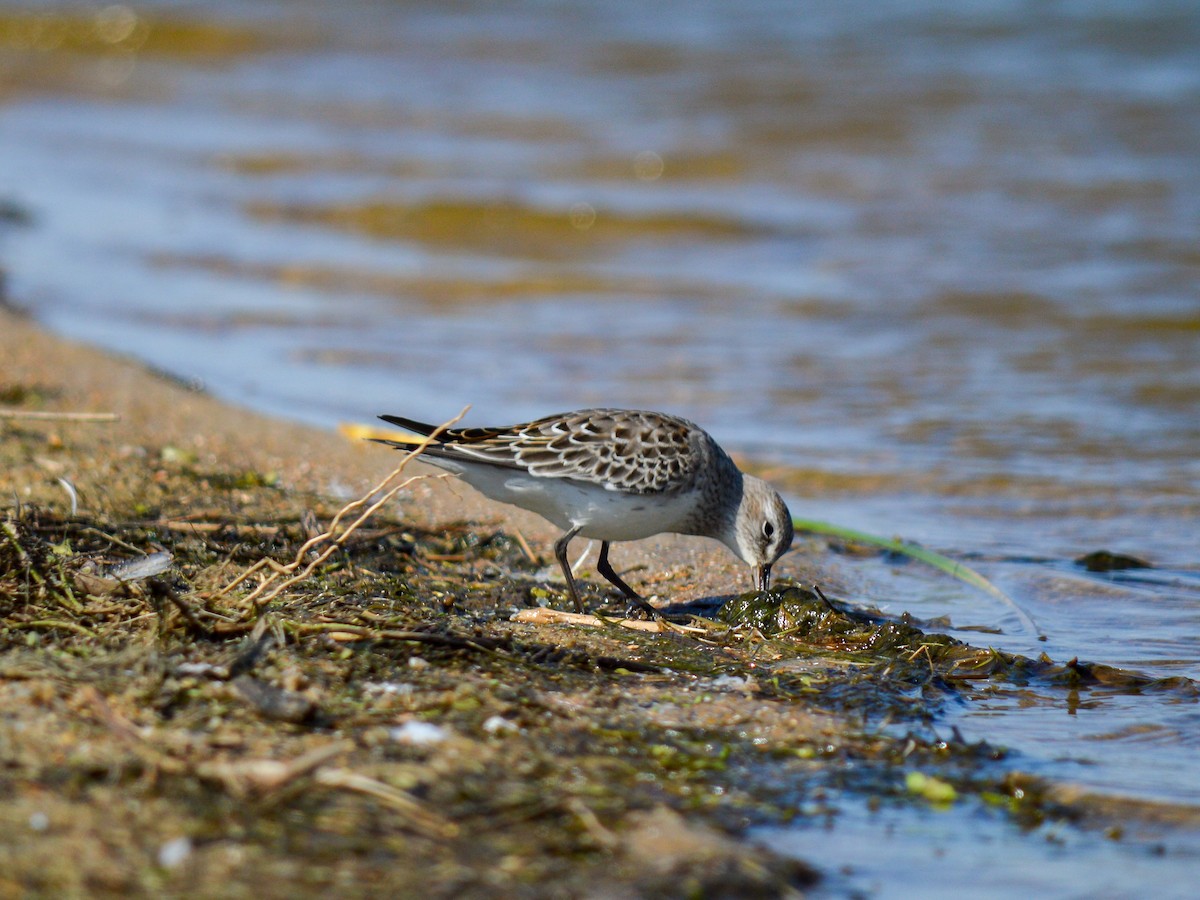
(636, 601)
(560, 551)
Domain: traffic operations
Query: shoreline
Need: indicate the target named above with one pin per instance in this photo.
(385, 718)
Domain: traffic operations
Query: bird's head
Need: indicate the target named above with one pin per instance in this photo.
(762, 531)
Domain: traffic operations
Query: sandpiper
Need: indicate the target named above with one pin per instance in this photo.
(616, 475)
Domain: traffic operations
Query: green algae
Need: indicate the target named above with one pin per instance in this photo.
(813, 622)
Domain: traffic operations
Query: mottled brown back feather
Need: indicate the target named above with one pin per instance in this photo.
(654, 452)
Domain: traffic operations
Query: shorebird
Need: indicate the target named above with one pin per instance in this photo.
(615, 475)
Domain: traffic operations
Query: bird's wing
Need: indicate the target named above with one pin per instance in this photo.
(628, 450)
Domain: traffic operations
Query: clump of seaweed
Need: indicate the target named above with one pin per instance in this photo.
(809, 618)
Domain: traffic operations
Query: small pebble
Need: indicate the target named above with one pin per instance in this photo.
(497, 724)
(734, 683)
(418, 733)
(197, 668)
(402, 688)
(39, 821)
(174, 852)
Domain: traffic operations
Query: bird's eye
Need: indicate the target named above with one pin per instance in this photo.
(768, 530)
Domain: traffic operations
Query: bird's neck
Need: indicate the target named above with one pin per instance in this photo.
(716, 512)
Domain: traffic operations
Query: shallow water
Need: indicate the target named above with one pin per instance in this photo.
(934, 265)
(976, 852)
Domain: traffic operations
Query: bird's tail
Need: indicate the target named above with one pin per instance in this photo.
(420, 428)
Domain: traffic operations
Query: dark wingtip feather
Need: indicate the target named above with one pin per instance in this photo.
(411, 424)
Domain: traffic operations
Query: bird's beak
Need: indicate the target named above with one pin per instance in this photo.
(762, 577)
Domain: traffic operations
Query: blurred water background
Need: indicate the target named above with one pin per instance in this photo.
(934, 266)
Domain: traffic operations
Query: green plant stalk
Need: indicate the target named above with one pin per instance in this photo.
(944, 563)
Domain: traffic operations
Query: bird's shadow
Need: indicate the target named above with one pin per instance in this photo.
(703, 607)
(708, 607)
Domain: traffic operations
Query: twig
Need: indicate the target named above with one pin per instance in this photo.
(56, 623)
(418, 816)
(821, 594)
(88, 529)
(265, 776)
(543, 616)
(185, 610)
(58, 416)
(525, 548)
(268, 589)
(212, 527)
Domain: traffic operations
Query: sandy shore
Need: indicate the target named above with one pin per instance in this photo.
(278, 712)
